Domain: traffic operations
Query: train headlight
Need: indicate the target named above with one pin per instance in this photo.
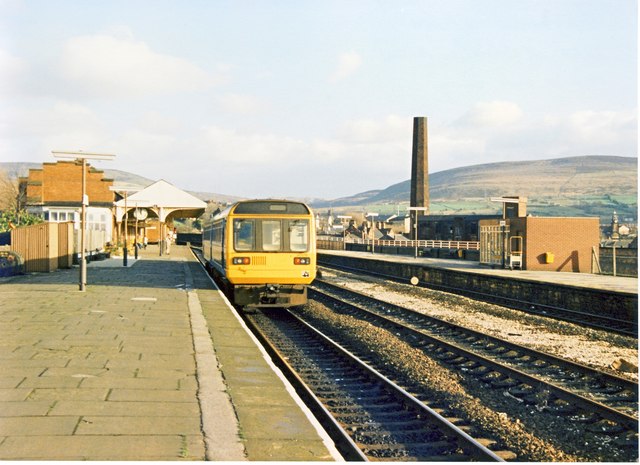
(241, 261)
(301, 261)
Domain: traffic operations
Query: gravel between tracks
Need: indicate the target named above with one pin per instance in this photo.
(532, 435)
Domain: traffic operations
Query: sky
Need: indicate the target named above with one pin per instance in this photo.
(314, 99)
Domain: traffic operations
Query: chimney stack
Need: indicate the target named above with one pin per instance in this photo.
(419, 166)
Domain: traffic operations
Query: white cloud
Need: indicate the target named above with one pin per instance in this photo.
(391, 128)
(231, 147)
(602, 127)
(492, 114)
(241, 103)
(62, 125)
(11, 71)
(110, 66)
(503, 132)
(348, 63)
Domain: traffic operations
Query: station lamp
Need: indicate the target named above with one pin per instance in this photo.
(83, 157)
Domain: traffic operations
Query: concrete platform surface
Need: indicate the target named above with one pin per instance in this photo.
(149, 363)
(586, 280)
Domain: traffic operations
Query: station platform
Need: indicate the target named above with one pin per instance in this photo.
(584, 280)
(149, 363)
(612, 297)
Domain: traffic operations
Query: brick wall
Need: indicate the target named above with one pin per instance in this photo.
(569, 240)
(61, 183)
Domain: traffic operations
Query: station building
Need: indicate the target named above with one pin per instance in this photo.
(539, 243)
(54, 193)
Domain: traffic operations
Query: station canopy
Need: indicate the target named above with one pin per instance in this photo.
(164, 200)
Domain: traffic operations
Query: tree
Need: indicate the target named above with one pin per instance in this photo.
(9, 192)
(12, 212)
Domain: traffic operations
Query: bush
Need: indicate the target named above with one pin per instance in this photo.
(10, 220)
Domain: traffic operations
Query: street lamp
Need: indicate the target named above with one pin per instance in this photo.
(415, 226)
(84, 156)
(344, 230)
(373, 231)
(126, 191)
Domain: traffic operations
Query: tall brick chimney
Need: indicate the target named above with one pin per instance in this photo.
(419, 167)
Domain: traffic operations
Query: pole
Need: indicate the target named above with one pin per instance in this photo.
(126, 236)
(83, 224)
(80, 155)
(135, 240)
(415, 226)
(415, 234)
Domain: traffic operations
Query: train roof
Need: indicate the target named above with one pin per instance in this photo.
(265, 207)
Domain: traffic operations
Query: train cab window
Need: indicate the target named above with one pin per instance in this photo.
(271, 235)
(243, 235)
(298, 235)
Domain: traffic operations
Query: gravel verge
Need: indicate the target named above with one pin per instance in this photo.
(530, 431)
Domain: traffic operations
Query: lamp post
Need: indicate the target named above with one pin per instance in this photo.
(83, 156)
(373, 231)
(126, 191)
(415, 226)
(344, 230)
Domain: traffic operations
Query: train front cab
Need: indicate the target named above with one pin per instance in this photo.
(272, 254)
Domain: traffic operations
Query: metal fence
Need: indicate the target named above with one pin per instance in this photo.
(338, 243)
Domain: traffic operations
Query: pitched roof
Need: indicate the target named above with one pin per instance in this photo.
(162, 194)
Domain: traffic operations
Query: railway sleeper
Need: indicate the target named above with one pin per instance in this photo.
(605, 427)
(447, 356)
(607, 390)
(469, 365)
(380, 416)
(628, 439)
(420, 451)
(512, 354)
(492, 376)
(371, 409)
(459, 360)
(481, 370)
(505, 383)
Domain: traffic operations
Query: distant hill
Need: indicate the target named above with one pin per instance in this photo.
(120, 177)
(577, 186)
(592, 185)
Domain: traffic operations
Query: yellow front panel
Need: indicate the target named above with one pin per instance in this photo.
(273, 268)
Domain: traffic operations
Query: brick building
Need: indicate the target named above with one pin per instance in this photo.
(543, 243)
(55, 190)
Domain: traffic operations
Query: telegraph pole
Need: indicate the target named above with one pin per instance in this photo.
(83, 157)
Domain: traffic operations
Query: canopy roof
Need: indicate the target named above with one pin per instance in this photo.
(163, 199)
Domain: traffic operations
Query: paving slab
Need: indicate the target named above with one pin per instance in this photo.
(149, 363)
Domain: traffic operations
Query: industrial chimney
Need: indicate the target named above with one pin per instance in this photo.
(419, 168)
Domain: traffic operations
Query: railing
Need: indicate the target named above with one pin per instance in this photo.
(333, 242)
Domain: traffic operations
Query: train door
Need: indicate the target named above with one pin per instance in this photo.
(223, 247)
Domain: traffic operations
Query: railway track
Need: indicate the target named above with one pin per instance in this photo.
(369, 416)
(601, 322)
(609, 404)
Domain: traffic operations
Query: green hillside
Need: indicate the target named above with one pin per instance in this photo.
(577, 186)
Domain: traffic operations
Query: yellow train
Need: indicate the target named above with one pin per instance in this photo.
(262, 252)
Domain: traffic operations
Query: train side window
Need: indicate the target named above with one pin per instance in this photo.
(271, 235)
(299, 235)
(243, 235)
